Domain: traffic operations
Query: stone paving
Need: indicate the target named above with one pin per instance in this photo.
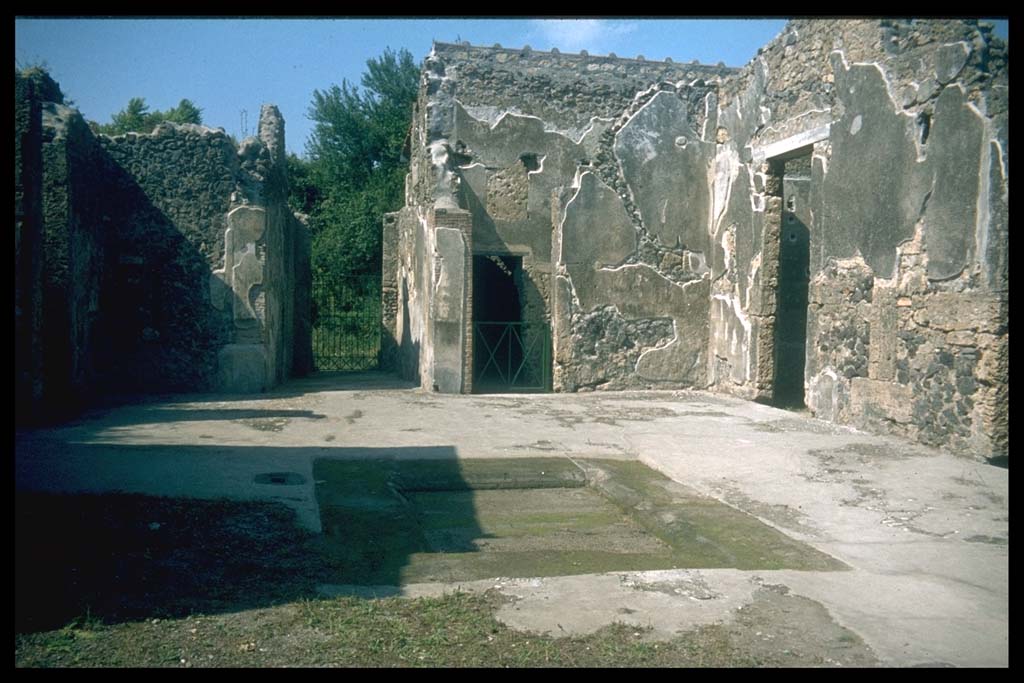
(924, 534)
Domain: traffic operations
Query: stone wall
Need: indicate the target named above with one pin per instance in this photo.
(409, 265)
(166, 236)
(168, 261)
(906, 126)
(28, 251)
(558, 182)
(74, 258)
(649, 203)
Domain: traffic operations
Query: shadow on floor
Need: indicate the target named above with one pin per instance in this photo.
(119, 557)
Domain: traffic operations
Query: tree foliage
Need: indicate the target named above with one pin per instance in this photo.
(356, 170)
(136, 117)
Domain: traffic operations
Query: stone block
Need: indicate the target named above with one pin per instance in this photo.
(870, 397)
(882, 347)
(949, 311)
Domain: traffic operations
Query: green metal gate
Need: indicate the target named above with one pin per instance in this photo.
(346, 323)
(511, 356)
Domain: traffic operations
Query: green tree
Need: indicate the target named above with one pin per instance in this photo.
(185, 112)
(356, 168)
(136, 117)
(303, 190)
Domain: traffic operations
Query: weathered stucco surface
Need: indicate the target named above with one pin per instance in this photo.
(648, 202)
(562, 184)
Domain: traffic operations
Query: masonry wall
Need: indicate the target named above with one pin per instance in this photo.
(73, 258)
(906, 126)
(169, 262)
(28, 251)
(557, 181)
(409, 265)
(166, 237)
(649, 202)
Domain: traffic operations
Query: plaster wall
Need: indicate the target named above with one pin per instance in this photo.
(647, 202)
(906, 125)
(525, 170)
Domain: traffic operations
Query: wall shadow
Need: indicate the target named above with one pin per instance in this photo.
(791, 310)
(163, 414)
(159, 329)
(119, 557)
(408, 350)
(388, 508)
(372, 380)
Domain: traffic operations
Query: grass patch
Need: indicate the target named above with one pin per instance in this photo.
(456, 630)
(394, 522)
(137, 581)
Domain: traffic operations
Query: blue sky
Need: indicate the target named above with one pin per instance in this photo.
(227, 66)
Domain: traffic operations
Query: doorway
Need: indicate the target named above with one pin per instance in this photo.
(509, 353)
(794, 277)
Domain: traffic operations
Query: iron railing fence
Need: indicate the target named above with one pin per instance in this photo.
(347, 323)
(511, 356)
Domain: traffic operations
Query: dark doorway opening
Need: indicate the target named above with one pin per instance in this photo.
(794, 276)
(509, 353)
(495, 289)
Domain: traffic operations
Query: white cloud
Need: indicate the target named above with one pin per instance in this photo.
(598, 36)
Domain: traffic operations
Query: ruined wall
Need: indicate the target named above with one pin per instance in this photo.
(74, 258)
(663, 212)
(166, 236)
(389, 298)
(28, 250)
(410, 266)
(208, 235)
(560, 160)
(170, 262)
(906, 124)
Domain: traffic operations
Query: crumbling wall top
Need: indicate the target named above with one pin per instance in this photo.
(565, 90)
(794, 69)
(554, 58)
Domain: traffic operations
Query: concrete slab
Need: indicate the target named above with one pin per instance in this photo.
(926, 534)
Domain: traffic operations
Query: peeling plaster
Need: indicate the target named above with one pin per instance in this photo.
(728, 243)
(755, 267)
(813, 391)
(540, 165)
(624, 266)
(983, 221)
(658, 347)
(1001, 158)
(733, 303)
(725, 170)
(707, 117)
(870, 199)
